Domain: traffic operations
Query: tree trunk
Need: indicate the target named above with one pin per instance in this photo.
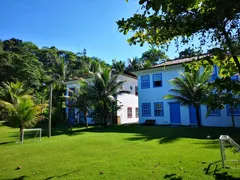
(21, 132)
(232, 115)
(235, 58)
(85, 119)
(105, 115)
(198, 116)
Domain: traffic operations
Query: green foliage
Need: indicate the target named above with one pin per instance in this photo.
(23, 113)
(118, 66)
(18, 102)
(10, 91)
(25, 62)
(226, 92)
(189, 52)
(163, 21)
(190, 89)
(154, 56)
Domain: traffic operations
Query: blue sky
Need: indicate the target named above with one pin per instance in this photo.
(72, 25)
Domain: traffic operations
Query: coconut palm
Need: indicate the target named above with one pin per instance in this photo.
(118, 66)
(134, 64)
(104, 90)
(23, 112)
(18, 102)
(190, 89)
(10, 91)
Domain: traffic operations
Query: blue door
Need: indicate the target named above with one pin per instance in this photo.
(192, 115)
(175, 115)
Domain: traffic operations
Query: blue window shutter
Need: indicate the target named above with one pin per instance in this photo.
(146, 109)
(145, 82)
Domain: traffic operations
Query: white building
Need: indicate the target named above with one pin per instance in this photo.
(128, 102)
(154, 83)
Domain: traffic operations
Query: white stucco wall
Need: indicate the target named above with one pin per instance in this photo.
(128, 100)
(155, 94)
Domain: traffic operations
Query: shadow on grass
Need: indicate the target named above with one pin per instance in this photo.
(166, 134)
(213, 170)
(62, 176)
(19, 178)
(225, 176)
(172, 177)
(7, 142)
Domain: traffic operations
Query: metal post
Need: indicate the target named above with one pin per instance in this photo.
(40, 134)
(50, 111)
(22, 136)
(222, 152)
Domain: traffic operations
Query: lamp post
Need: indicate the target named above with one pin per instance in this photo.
(50, 111)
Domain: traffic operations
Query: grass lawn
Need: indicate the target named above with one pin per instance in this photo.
(119, 152)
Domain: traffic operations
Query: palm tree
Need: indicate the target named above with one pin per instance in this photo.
(10, 91)
(104, 90)
(118, 66)
(134, 64)
(23, 112)
(82, 99)
(190, 89)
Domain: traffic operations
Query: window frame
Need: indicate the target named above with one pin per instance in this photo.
(148, 85)
(229, 113)
(219, 112)
(144, 114)
(136, 112)
(129, 115)
(161, 114)
(154, 81)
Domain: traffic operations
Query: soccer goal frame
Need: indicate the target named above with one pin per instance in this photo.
(222, 140)
(38, 130)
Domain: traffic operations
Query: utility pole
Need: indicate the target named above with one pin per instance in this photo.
(50, 111)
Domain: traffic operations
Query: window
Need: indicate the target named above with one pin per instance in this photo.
(236, 111)
(158, 109)
(130, 87)
(70, 94)
(157, 80)
(215, 112)
(146, 109)
(136, 90)
(145, 82)
(129, 112)
(136, 112)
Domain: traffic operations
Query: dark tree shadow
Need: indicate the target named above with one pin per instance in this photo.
(166, 134)
(19, 178)
(172, 176)
(61, 176)
(225, 176)
(7, 142)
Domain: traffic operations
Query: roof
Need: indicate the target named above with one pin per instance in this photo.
(175, 62)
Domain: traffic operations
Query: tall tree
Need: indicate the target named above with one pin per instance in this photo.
(189, 52)
(190, 89)
(154, 56)
(213, 22)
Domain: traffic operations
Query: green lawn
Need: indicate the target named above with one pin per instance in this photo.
(118, 152)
